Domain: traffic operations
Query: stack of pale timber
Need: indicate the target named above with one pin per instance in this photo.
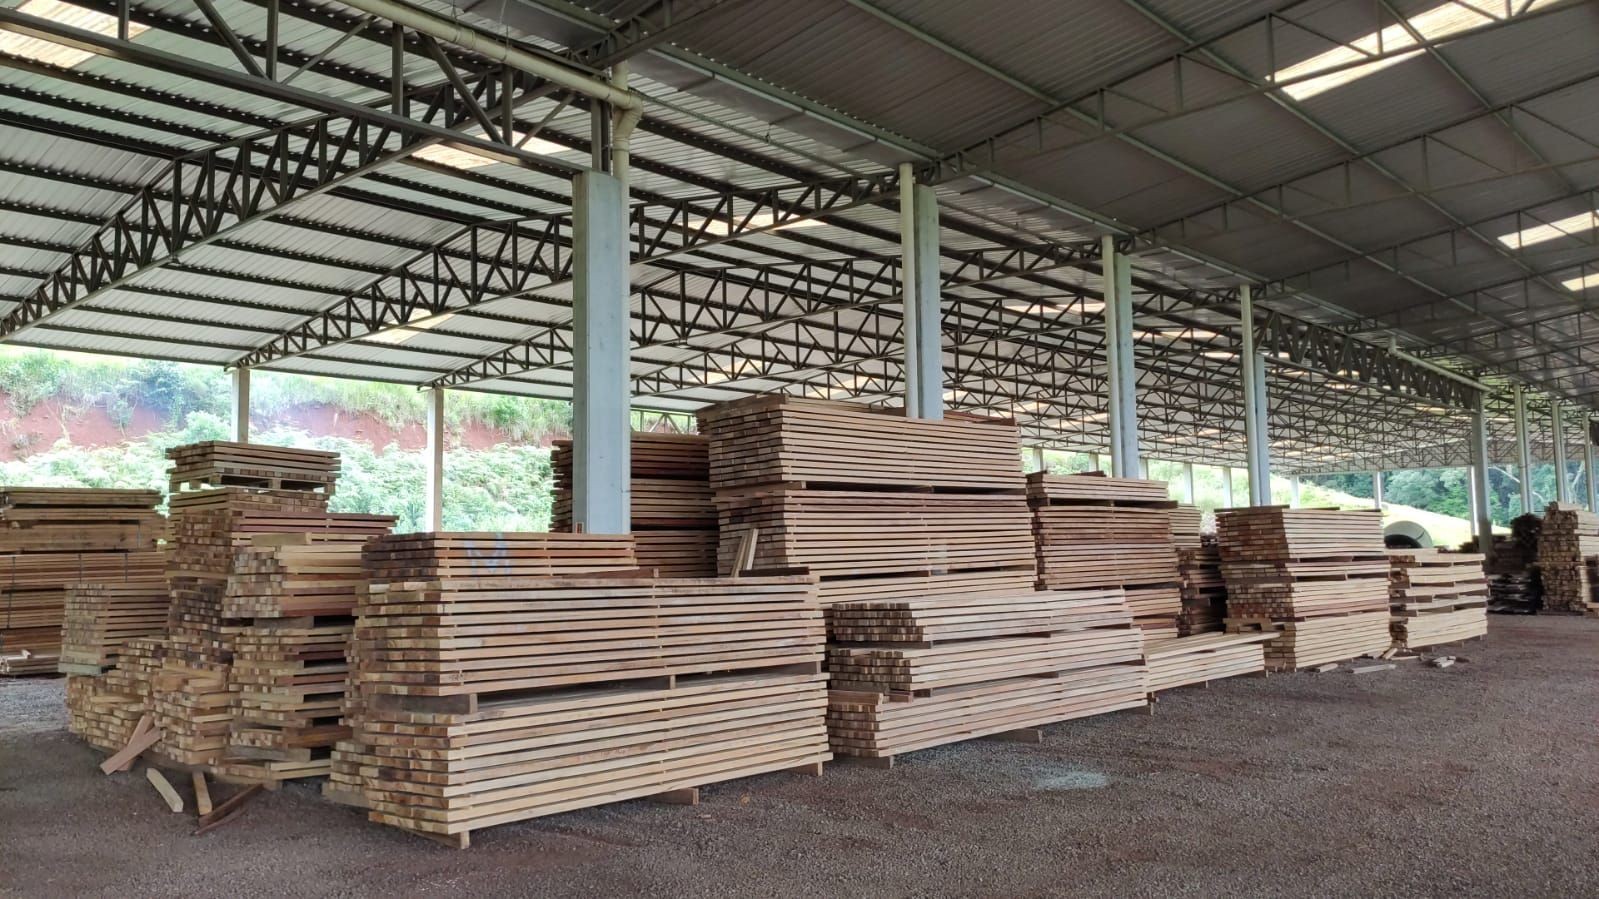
(101, 618)
(487, 697)
(218, 463)
(1570, 535)
(262, 576)
(1097, 531)
(875, 504)
(1436, 597)
(1187, 522)
(1204, 590)
(52, 538)
(915, 673)
(1202, 658)
(673, 518)
(104, 710)
(1316, 577)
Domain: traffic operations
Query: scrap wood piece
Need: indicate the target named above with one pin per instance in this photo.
(227, 811)
(144, 736)
(1369, 669)
(164, 787)
(202, 794)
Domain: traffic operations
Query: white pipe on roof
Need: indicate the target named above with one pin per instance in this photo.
(470, 39)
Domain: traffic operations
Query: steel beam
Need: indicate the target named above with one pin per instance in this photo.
(1252, 372)
(1121, 375)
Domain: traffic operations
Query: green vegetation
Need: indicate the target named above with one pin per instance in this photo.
(506, 487)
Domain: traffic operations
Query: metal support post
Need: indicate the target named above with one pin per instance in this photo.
(1293, 487)
(601, 344)
(1227, 487)
(1482, 515)
(1587, 465)
(1557, 427)
(433, 488)
(1193, 489)
(920, 280)
(241, 405)
(1121, 370)
(1376, 490)
(1252, 368)
(1523, 452)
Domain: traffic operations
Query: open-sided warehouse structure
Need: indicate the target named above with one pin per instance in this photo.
(1128, 225)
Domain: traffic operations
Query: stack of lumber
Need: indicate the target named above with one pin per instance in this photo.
(104, 710)
(875, 504)
(1097, 531)
(915, 673)
(262, 578)
(1204, 590)
(1570, 535)
(1187, 522)
(673, 519)
(1316, 577)
(1202, 658)
(489, 696)
(52, 538)
(1436, 597)
(218, 463)
(101, 619)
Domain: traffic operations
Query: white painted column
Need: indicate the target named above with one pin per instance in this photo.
(1188, 478)
(1523, 451)
(601, 344)
(433, 486)
(923, 310)
(1252, 369)
(1376, 490)
(1293, 486)
(1587, 465)
(1227, 487)
(1143, 469)
(1482, 515)
(1121, 380)
(1038, 459)
(241, 405)
(1557, 425)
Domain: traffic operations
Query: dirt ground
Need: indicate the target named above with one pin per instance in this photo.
(1478, 780)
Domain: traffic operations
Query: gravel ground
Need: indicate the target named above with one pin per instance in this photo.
(1478, 780)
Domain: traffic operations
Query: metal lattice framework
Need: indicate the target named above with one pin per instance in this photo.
(300, 185)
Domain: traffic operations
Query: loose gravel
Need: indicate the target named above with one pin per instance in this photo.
(1478, 780)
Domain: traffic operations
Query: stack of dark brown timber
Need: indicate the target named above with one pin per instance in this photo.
(488, 694)
(1096, 531)
(218, 463)
(1204, 590)
(52, 538)
(1316, 577)
(915, 673)
(1436, 597)
(877, 505)
(1570, 535)
(673, 517)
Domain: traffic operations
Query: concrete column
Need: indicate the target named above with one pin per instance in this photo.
(1038, 458)
(923, 310)
(1227, 487)
(241, 405)
(1293, 486)
(1482, 515)
(1188, 479)
(1252, 369)
(1143, 469)
(1557, 426)
(600, 348)
(1120, 364)
(1523, 452)
(1376, 490)
(1587, 465)
(433, 487)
